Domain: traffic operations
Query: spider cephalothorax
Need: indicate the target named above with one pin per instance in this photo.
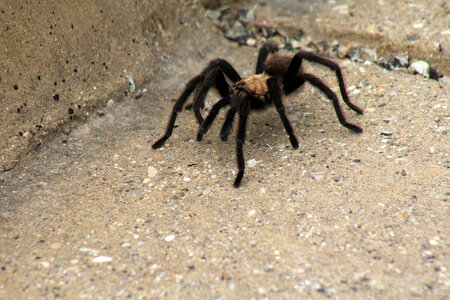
(283, 74)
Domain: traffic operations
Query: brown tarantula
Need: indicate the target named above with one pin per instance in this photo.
(277, 74)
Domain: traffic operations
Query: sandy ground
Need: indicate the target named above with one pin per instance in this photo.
(99, 214)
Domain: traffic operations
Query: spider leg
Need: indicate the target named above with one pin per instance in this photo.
(190, 87)
(214, 76)
(218, 67)
(275, 94)
(228, 124)
(332, 96)
(206, 124)
(333, 66)
(266, 49)
(244, 110)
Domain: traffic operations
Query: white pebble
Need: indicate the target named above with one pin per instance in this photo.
(433, 242)
(251, 42)
(125, 245)
(318, 177)
(132, 85)
(252, 162)
(170, 238)
(187, 179)
(421, 67)
(151, 172)
(101, 259)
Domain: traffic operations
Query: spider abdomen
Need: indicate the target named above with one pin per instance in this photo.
(277, 64)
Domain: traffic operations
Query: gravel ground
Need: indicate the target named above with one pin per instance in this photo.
(99, 214)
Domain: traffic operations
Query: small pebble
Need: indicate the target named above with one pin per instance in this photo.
(110, 103)
(101, 259)
(251, 42)
(132, 85)
(421, 67)
(433, 242)
(252, 162)
(151, 172)
(169, 238)
(125, 245)
(55, 245)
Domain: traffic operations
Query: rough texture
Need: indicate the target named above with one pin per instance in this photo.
(99, 214)
(418, 28)
(62, 60)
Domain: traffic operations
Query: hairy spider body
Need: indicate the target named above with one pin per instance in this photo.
(277, 64)
(283, 74)
(254, 86)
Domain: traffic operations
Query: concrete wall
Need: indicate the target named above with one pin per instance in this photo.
(60, 60)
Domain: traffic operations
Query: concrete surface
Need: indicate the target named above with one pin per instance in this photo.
(99, 214)
(61, 60)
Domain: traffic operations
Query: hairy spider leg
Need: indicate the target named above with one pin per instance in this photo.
(297, 60)
(228, 124)
(275, 94)
(214, 76)
(221, 85)
(218, 67)
(332, 96)
(243, 111)
(190, 87)
(267, 48)
(206, 124)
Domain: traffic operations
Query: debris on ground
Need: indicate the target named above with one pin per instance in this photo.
(241, 25)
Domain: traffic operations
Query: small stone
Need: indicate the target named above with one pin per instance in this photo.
(110, 103)
(151, 172)
(318, 177)
(132, 85)
(414, 37)
(296, 44)
(55, 245)
(252, 162)
(101, 259)
(433, 242)
(399, 61)
(169, 238)
(421, 67)
(432, 150)
(251, 42)
(125, 245)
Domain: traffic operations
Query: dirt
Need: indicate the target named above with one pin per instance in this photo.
(97, 213)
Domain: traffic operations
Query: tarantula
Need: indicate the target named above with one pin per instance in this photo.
(277, 74)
